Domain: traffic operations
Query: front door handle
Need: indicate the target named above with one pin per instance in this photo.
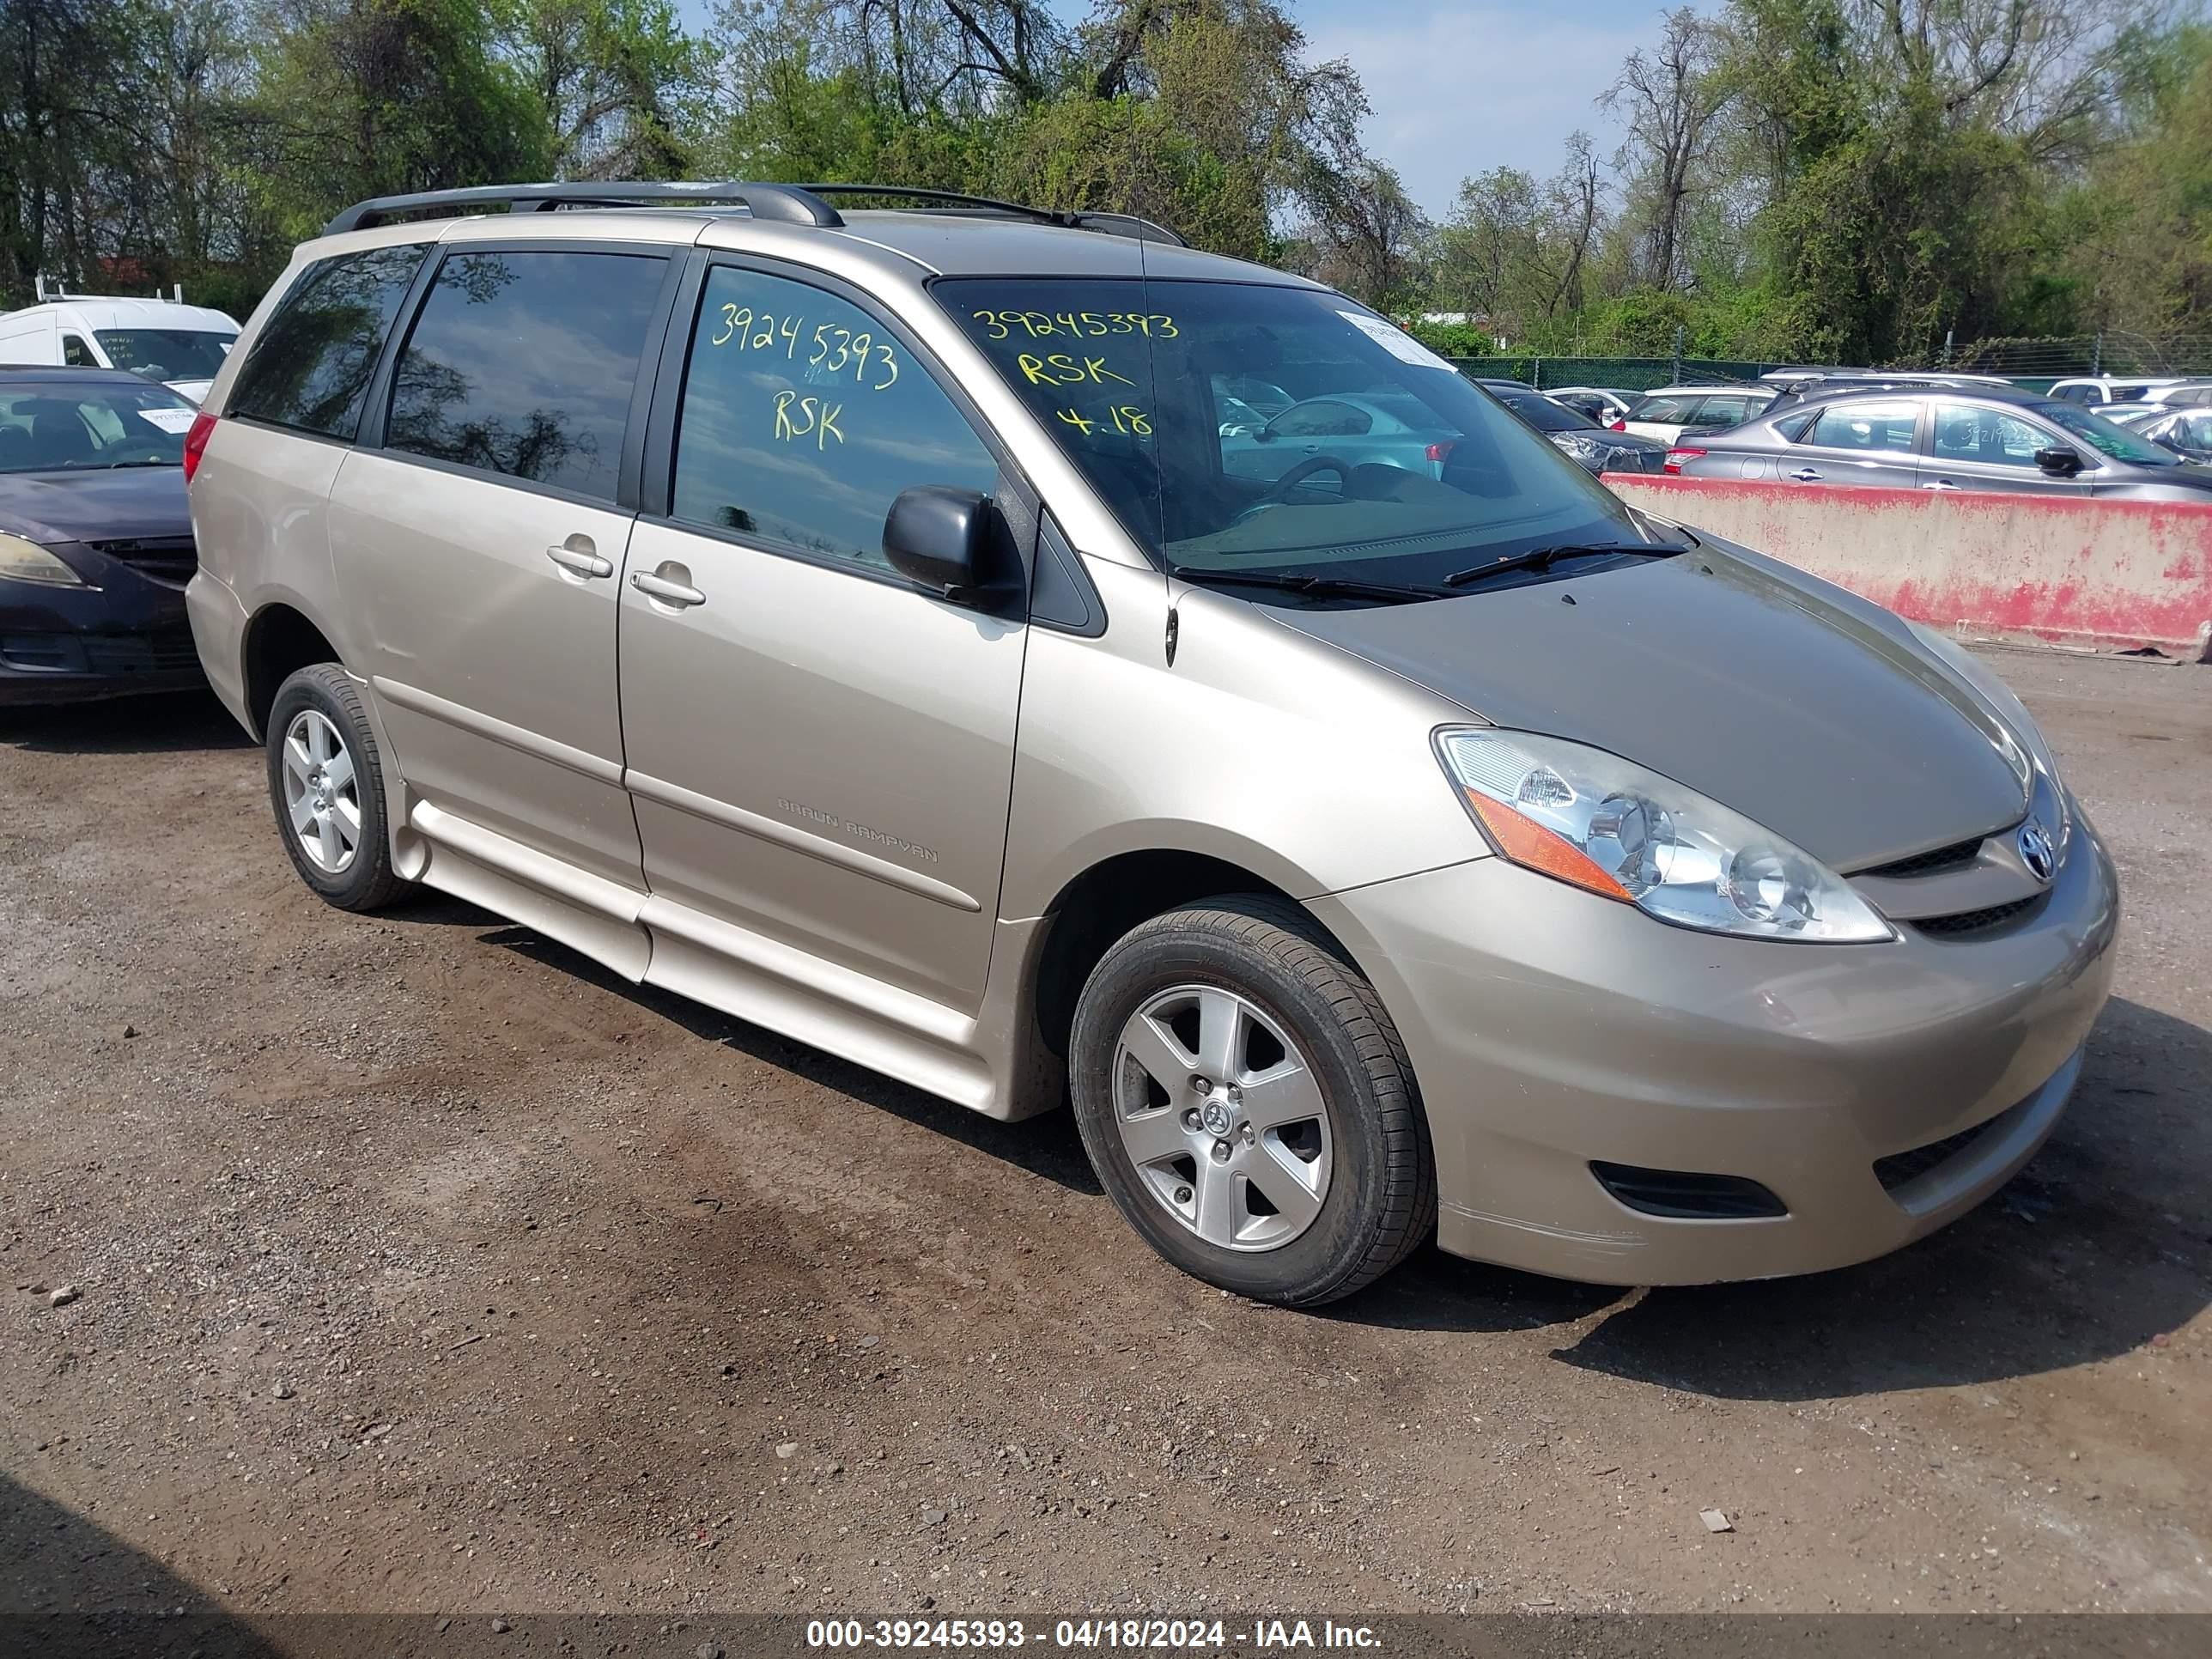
(1940, 483)
(1806, 475)
(578, 555)
(671, 584)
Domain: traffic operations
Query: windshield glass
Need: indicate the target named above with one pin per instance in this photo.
(58, 426)
(1542, 412)
(2100, 433)
(1385, 464)
(166, 354)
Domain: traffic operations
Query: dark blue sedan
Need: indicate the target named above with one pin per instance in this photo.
(95, 539)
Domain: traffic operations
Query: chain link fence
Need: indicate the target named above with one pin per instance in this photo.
(1614, 373)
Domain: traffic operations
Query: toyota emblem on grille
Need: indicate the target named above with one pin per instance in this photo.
(2036, 851)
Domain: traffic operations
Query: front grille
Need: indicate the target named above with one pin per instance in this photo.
(1899, 1168)
(1684, 1195)
(1936, 861)
(1978, 921)
(170, 560)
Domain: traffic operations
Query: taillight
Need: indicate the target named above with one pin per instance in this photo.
(196, 441)
(1438, 451)
(1677, 457)
(1620, 425)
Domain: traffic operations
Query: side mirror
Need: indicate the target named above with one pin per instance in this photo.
(948, 541)
(2060, 460)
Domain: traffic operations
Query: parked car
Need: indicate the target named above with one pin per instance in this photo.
(164, 340)
(1667, 414)
(95, 536)
(1384, 428)
(853, 621)
(1801, 380)
(2105, 389)
(2186, 432)
(1901, 380)
(1583, 440)
(1946, 440)
(1603, 405)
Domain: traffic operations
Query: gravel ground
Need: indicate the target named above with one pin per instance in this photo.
(420, 1267)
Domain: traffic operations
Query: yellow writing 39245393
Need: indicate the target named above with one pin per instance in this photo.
(798, 417)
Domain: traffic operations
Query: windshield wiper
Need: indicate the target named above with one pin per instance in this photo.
(1319, 587)
(1540, 558)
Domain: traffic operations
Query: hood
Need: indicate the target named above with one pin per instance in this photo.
(94, 505)
(1806, 709)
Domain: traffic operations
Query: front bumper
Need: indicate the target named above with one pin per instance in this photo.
(1549, 1029)
(125, 637)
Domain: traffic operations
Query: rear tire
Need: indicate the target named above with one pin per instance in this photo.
(1298, 1172)
(326, 784)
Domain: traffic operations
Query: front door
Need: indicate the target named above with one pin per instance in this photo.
(480, 545)
(1981, 446)
(819, 751)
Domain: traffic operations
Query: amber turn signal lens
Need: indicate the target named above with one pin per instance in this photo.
(1531, 845)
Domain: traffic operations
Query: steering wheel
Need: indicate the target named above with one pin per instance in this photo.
(1279, 492)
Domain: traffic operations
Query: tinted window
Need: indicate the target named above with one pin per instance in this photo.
(1883, 425)
(1724, 411)
(1666, 411)
(1542, 413)
(804, 419)
(523, 364)
(2073, 394)
(77, 354)
(310, 367)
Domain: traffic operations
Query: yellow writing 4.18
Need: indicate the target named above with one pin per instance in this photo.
(816, 417)
(1122, 417)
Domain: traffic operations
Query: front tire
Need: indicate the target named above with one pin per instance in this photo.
(1248, 1104)
(327, 783)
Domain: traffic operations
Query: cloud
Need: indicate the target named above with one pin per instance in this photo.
(1459, 91)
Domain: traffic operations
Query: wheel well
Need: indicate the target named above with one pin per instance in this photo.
(279, 642)
(1107, 901)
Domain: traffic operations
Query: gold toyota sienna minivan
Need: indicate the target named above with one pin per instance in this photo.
(1036, 661)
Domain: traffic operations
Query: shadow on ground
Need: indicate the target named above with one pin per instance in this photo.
(2097, 1247)
(68, 1587)
(164, 724)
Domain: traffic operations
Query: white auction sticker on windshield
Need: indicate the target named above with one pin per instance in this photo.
(1395, 341)
(169, 420)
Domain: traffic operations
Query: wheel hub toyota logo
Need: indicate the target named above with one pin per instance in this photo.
(1217, 1117)
(2036, 851)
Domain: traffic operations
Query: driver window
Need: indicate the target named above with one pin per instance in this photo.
(77, 354)
(1323, 418)
(1966, 434)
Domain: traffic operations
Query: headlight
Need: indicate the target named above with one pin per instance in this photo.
(27, 561)
(1593, 820)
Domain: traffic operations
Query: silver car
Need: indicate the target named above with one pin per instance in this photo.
(852, 619)
(1944, 439)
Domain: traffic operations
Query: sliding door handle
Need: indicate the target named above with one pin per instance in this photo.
(671, 584)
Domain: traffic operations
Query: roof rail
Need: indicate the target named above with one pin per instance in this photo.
(1112, 224)
(784, 203)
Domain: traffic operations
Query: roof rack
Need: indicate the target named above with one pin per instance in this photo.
(1112, 224)
(794, 204)
(782, 203)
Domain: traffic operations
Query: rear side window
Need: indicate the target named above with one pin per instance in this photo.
(1724, 412)
(1667, 412)
(804, 419)
(522, 364)
(310, 368)
(1883, 425)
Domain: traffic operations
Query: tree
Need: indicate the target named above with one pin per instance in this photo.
(1673, 98)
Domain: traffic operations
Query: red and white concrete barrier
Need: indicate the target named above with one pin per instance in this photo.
(2115, 574)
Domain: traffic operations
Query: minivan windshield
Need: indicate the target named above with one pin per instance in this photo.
(1366, 459)
(166, 354)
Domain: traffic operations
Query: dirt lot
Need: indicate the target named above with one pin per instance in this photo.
(422, 1266)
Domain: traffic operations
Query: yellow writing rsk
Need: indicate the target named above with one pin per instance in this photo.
(1060, 369)
(817, 416)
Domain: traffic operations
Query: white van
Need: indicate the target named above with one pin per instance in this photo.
(165, 340)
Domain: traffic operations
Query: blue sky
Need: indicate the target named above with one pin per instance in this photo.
(1459, 88)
